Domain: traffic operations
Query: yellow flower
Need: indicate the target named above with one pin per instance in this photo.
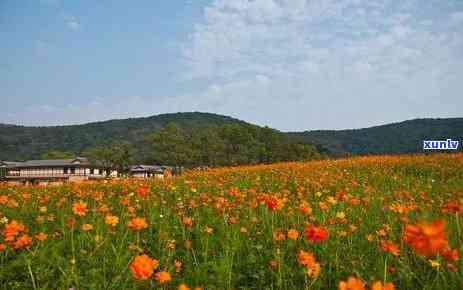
(87, 227)
(434, 263)
(208, 229)
(111, 220)
(341, 215)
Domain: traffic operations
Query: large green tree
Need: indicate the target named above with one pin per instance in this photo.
(117, 156)
(225, 145)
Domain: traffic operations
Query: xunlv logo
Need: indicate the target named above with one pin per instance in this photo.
(440, 145)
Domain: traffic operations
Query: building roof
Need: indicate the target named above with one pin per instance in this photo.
(47, 163)
(149, 168)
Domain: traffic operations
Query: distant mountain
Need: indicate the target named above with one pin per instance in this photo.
(403, 137)
(22, 142)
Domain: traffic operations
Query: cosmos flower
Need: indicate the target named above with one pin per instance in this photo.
(23, 241)
(41, 236)
(87, 227)
(428, 239)
(111, 220)
(79, 208)
(293, 234)
(143, 266)
(163, 277)
(390, 247)
(316, 233)
(379, 286)
(11, 230)
(138, 224)
(352, 283)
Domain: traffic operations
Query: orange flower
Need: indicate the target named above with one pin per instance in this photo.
(162, 277)
(2, 247)
(427, 239)
(183, 287)
(41, 236)
(390, 247)
(142, 191)
(451, 254)
(3, 199)
(305, 258)
(188, 221)
(293, 234)
(379, 286)
(178, 266)
(453, 207)
(305, 208)
(138, 224)
(111, 220)
(143, 266)
(351, 284)
(11, 230)
(308, 261)
(314, 233)
(274, 203)
(22, 242)
(79, 208)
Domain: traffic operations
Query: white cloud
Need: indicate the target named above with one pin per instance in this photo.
(299, 65)
(332, 64)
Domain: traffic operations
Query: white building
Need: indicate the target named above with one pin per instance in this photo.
(59, 170)
(145, 171)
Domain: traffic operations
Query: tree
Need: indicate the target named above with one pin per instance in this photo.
(171, 146)
(224, 145)
(117, 156)
(57, 154)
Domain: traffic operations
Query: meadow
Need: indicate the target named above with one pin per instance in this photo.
(388, 222)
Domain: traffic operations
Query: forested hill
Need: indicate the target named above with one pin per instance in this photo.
(403, 137)
(187, 139)
(20, 142)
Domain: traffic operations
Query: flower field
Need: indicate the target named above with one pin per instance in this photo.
(390, 222)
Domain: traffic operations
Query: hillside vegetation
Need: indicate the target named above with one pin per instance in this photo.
(19, 142)
(183, 139)
(403, 137)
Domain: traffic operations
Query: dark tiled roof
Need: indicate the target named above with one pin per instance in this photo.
(48, 163)
(151, 168)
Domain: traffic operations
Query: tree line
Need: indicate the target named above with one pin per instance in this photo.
(210, 146)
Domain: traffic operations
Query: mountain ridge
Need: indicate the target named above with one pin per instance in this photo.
(27, 142)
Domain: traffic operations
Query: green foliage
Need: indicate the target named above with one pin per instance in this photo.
(404, 137)
(117, 155)
(225, 145)
(57, 154)
(20, 142)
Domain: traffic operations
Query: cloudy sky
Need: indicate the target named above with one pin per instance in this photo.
(288, 64)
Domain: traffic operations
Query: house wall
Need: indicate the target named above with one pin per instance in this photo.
(40, 171)
(139, 174)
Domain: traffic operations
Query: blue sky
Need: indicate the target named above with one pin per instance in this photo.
(288, 64)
